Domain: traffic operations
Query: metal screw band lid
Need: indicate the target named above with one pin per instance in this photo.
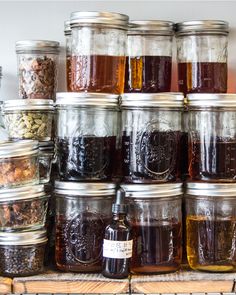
(109, 19)
(157, 27)
(37, 45)
(211, 189)
(211, 100)
(67, 28)
(23, 238)
(18, 148)
(28, 104)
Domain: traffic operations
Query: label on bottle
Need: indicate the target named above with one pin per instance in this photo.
(117, 249)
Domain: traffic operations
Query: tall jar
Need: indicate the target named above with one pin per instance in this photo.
(83, 210)
(212, 137)
(67, 32)
(37, 68)
(210, 226)
(149, 57)
(156, 220)
(202, 56)
(98, 51)
(151, 137)
(87, 131)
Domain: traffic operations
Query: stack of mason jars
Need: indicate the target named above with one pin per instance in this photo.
(25, 160)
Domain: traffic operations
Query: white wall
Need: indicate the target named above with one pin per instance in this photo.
(44, 20)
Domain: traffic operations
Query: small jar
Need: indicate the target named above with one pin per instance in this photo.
(212, 137)
(46, 156)
(202, 56)
(87, 129)
(37, 68)
(19, 163)
(156, 220)
(23, 208)
(22, 253)
(29, 119)
(151, 137)
(210, 226)
(67, 32)
(149, 58)
(83, 210)
(98, 51)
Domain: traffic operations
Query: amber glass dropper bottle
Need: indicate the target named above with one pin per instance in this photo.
(118, 243)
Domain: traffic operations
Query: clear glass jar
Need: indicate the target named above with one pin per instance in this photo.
(210, 226)
(149, 58)
(156, 220)
(22, 253)
(83, 210)
(29, 119)
(212, 137)
(19, 163)
(46, 157)
(87, 130)
(37, 68)
(67, 32)
(202, 56)
(23, 208)
(151, 137)
(98, 51)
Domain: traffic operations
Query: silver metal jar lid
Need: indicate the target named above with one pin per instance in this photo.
(22, 193)
(211, 100)
(82, 189)
(67, 28)
(9, 149)
(86, 99)
(28, 104)
(146, 100)
(46, 146)
(211, 189)
(37, 45)
(109, 19)
(153, 190)
(202, 26)
(23, 238)
(157, 27)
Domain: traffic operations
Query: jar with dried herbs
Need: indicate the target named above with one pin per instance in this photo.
(23, 208)
(18, 163)
(29, 119)
(37, 68)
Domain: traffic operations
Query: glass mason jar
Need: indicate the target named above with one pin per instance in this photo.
(67, 32)
(37, 68)
(149, 57)
(83, 210)
(98, 51)
(156, 220)
(46, 157)
(202, 56)
(22, 253)
(29, 119)
(151, 137)
(18, 163)
(87, 131)
(210, 226)
(212, 137)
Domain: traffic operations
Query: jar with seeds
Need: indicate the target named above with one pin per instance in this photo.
(22, 253)
(29, 119)
(37, 68)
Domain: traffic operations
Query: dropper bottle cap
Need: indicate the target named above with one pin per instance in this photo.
(119, 206)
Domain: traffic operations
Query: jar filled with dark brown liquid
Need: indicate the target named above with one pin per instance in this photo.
(211, 226)
(67, 32)
(202, 56)
(83, 210)
(86, 138)
(151, 137)
(149, 58)
(98, 51)
(212, 137)
(155, 217)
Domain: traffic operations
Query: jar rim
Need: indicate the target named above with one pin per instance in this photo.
(37, 45)
(23, 238)
(28, 104)
(211, 189)
(67, 28)
(211, 100)
(18, 148)
(158, 27)
(22, 193)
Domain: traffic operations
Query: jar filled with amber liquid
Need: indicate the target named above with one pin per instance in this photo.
(149, 58)
(202, 56)
(98, 51)
(67, 33)
(155, 217)
(212, 137)
(210, 226)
